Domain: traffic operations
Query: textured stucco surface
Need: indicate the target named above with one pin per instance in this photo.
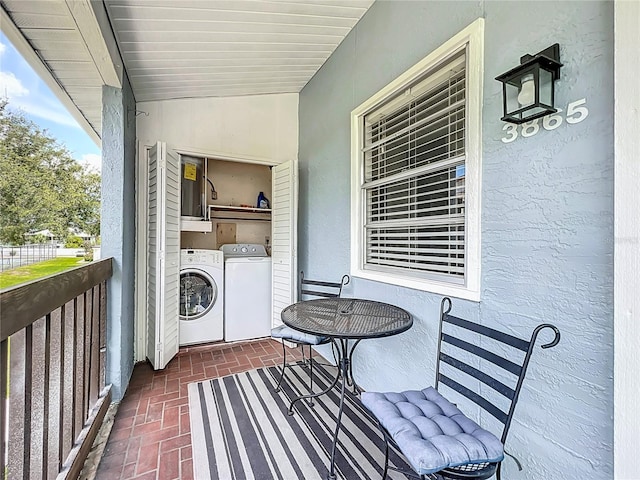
(547, 216)
(118, 229)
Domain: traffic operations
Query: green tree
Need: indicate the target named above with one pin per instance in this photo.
(39, 239)
(73, 242)
(41, 185)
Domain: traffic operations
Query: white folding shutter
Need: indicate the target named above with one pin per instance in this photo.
(164, 256)
(171, 339)
(284, 223)
(154, 263)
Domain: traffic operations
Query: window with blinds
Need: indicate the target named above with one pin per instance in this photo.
(413, 150)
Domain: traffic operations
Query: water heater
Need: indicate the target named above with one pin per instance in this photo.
(192, 187)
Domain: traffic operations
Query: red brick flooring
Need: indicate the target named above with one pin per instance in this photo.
(151, 436)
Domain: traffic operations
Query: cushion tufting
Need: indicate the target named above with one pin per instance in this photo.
(288, 333)
(430, 431)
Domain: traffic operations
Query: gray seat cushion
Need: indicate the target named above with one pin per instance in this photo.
(296, 336)
(430, 431)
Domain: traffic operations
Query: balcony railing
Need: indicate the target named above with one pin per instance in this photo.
(52, 372)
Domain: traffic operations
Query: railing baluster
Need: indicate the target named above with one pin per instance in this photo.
(74, 395)
(4, 370)
(69, 381)
(45, 414)
(28, 389)
(37, 414)
(61, 429)
(93, 347)
(17, 378)
(103, 334)
(81, 359)
(86, 340)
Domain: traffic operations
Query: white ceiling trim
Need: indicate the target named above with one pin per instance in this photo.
(16, 37)
(85, 19)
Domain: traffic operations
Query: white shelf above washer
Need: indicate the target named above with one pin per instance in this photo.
(229, 212)
(195, 226)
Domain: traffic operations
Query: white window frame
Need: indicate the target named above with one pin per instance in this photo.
(473, 38)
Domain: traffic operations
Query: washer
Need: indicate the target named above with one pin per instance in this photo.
(201, 296)
(247, 297)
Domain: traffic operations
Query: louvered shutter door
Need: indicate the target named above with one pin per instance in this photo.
(283, 238)
(153, 261)
(164, 256)
(171, 340)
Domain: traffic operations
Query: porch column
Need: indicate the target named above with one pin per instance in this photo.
(626, 419)
(118, 229)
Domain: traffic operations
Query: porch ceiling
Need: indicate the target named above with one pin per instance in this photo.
(196, 48)
(175, 49)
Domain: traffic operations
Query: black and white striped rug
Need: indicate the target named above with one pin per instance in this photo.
(240, 430)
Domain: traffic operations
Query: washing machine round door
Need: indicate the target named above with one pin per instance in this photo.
(198, 293)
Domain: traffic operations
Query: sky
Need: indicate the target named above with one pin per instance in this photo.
(26, 92)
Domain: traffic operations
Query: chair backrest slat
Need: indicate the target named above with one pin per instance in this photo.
(470, 350)
(318, 294)
(483, 377)
(481, 352)
(305, 281)
(325, 289)
(489, 332)
(471, 395)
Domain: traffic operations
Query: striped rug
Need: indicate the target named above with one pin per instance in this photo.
(240, 430)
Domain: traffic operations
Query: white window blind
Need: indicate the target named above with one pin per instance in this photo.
(414, 150)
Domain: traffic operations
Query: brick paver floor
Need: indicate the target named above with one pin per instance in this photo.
(150, 438)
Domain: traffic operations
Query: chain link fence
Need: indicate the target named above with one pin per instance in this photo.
(13, 257)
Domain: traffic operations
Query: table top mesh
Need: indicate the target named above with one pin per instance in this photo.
(347, 318)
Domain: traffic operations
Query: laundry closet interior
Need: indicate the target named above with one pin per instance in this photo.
(223, 287)
(219, 203)
(225, 266)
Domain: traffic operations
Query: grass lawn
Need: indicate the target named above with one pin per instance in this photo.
(37, 270)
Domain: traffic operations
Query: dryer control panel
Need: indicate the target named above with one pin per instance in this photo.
(231, 250)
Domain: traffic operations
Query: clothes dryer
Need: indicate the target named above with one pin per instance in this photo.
(201, 296)
(247, 297)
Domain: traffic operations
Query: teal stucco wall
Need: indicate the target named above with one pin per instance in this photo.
(547, 216)
(118, 230)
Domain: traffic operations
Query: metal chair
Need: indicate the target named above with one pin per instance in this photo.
(411, 421)
(307, 289)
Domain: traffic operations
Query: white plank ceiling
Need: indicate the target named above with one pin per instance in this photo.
(189, 48)
(199, 48)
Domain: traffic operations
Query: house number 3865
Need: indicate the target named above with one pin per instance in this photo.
(576, 112)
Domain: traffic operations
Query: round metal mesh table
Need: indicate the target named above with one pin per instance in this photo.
(347, 318)
(344, 319)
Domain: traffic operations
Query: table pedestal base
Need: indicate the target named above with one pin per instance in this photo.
(345, 354)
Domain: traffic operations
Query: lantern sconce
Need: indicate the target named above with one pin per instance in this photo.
(528, 89)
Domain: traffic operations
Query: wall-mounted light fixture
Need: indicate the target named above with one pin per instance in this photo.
(528, 89)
